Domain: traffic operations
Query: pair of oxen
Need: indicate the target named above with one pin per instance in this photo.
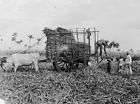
(19, 59)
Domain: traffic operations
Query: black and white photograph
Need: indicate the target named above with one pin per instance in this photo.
(69, 52)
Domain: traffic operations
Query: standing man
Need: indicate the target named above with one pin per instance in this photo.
(129, 62)
(109, 66)
(121, 64)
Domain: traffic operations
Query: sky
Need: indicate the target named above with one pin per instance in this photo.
(117, 20)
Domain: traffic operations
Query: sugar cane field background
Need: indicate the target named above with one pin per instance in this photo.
(86, 84)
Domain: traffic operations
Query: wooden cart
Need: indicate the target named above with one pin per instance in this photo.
(68, 49)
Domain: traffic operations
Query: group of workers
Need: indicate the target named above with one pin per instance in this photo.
(124, 64)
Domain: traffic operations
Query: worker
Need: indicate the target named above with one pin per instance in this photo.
(121, 63)
(109, 66)
(128, 63)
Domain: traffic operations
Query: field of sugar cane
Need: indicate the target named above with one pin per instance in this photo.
(89, 85)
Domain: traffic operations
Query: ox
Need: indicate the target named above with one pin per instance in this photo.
(19, 59)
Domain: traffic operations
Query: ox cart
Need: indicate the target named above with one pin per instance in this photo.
(68, 49)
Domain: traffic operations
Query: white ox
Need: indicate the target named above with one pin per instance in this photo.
(19, 59)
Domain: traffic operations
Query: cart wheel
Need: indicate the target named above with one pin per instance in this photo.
(62, 66)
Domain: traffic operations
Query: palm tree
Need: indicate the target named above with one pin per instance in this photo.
(102, 46)
(15, 34)
(19, 42)
(30, 38)
(113, 44)
(14, 37)
(38, 40)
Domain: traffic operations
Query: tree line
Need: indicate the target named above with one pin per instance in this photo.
(19, 42)
(102, 46)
